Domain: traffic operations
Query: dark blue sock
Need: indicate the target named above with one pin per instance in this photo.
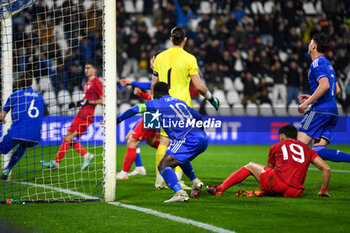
(331, 154)
(16, 156)
(170, 178)
(138, 161)
(188, 170)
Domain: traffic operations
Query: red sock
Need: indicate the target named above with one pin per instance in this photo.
(62, 151)
(79, 148)
(129, 158)
(235, 178)
(155, 144)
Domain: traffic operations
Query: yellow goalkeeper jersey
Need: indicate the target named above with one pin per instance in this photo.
(174, 66)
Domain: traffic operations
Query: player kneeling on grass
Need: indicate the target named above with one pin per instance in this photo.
(187, 142)
(286, 170)
(27, 110)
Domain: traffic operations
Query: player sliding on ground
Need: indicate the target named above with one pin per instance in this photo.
(319, 122)
(286, 170)
(187, 142)
(93, 95)
(27, 110)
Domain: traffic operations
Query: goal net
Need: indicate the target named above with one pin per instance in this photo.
(52, 43)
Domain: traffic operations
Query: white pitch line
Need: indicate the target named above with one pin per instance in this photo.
(141, 209)
(174, 218)
(332, 170)
(59, 190)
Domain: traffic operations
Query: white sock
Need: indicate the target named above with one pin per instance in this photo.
(179, 175)
(55, 164)
(123, 173)
(159, 177)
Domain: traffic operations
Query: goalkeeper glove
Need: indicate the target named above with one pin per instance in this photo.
(212, 99)
(78, 104)
(215, 102)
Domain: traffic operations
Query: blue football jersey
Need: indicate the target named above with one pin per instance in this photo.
(321, 68)
(176, 117)
(27, 110)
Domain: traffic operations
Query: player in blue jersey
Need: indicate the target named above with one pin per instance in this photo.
(136, 136)
(179, 121)
(319, 122)
(27, 110)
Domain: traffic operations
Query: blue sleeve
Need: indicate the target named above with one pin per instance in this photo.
(142, 85)
(195, 114)
(128, 113)
(178, 9)
(9, 103)
(150, 105)
(321, 71)
(192, 15)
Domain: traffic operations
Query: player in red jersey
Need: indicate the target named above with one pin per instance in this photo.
(93, 95)
(135, 137)
(286, 170)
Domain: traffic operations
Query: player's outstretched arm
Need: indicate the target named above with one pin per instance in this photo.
(142, 85)
(132, 112)
(326, 175)
(323, 87)
(203, 90)
(143, 95)
(124, 82)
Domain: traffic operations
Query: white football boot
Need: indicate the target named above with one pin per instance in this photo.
(180, 196)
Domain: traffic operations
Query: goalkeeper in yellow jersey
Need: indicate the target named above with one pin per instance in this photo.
(177, 68)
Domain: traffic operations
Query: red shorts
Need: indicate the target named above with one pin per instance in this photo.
(273, 186)
(80, 125)
(142, 134)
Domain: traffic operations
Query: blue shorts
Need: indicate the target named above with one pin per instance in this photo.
(318, 125)
(188, 148)
(7, 144)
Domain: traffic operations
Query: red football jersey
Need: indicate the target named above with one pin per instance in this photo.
(291, 159)
(93, 90)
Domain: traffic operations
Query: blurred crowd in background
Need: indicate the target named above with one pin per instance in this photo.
(249, 52)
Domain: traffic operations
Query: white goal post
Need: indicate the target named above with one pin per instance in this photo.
(6, 75)
(110, 74)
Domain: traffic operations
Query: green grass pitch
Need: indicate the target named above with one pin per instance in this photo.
(307, 214)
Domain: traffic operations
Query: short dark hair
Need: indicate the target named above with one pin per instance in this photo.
(24, 81)
(290, 131)
(91, 62)
(178, 34)
(160, 89)
(322, 42)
